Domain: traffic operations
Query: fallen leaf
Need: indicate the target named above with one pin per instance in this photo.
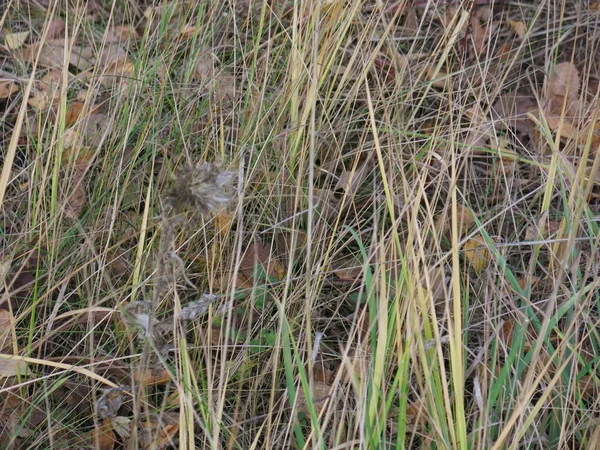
(223, 222)
(511, 110)
(117, 70)
(225, 282)
(152, 376)
(159, 430)
(123, 33)
(524, 281)
(53, 54)
(564, 80)
(347, 268)
(79, 109)
(8, 88)
(505, 334)
(9, 367)
(122, 426)
(257, 255)
(479, 33)
(56, 29)
(518, 27)
(6, 320)
(350, 180)
(590, 388)
(47, 90)
(16, 40)
(438, 79)
(416, 413)
(465, 218)
(100, 438)
(22, 279)
(564, 106)
(318, 397)
(104, 437)
(5, 265)
(476, 252)
(76, 200)
(111, 401)
(187, 31)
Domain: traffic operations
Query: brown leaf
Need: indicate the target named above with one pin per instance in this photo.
(77, 110)
(347, 268)
(159, 430)
(438, 79)
(590, 388)
(465, 219)
(111, 401)
(505, 334)
(318, 397)
(511, 109)
(152, 376)
(258, 255)
(226, 282)
(8, 88)
(518, 27)
(187, 32)
(104, 437)
(77, 198)
(117, 70)
(56, 29)
(47, 92)
(101, 438)
(564, 81)
(8, 367)
(479, 35)
(22, 279)
(476, 252)
(350, 180)
(416, 413)
(123, 33)
(53, 54)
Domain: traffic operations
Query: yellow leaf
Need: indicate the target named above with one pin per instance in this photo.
(518, 27)
(465, 218)
(223, 222)
(476, 253)
(16, 40)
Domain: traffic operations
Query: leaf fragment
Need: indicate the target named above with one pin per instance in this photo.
(16, 40)
(476, 252)
(9, 367)
(8, 88)
(257, 256)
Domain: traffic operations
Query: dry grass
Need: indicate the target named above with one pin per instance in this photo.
(394, 244)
